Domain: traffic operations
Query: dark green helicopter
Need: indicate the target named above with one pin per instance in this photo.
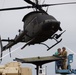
(38, 27)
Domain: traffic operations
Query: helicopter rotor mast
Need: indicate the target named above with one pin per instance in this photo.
(36, 3)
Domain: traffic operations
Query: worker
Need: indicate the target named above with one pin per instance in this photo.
(58, 52)
(58, 62)
(64, 55)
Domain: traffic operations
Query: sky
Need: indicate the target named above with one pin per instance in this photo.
(11, 22)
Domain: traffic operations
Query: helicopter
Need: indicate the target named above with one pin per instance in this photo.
(38, 27)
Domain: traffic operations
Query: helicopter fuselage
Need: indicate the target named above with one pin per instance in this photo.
(40, 26)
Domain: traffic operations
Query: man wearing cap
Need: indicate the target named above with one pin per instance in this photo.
(64, 55)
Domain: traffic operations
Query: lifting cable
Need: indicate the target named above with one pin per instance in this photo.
(12, 52)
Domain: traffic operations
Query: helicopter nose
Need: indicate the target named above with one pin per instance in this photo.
(53, 25)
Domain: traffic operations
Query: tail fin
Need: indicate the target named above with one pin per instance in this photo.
(1, 49)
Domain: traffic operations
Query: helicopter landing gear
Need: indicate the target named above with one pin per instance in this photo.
(45, 45)
(52, 45)
(55, 37)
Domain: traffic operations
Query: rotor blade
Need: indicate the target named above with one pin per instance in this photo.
(17, 8)
(30, 2)
(44, 5)
(38, 6)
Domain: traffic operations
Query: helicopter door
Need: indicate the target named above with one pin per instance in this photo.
(35, 26)
(32, 27)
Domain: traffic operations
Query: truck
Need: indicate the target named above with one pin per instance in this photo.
(14, 68)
